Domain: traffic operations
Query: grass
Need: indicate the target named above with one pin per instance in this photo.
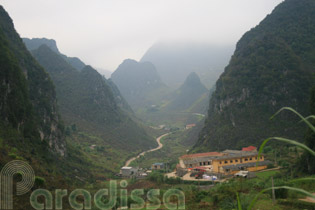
(266, 174)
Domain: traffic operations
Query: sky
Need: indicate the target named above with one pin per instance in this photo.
(103, 33)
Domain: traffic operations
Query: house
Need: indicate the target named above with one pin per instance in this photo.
(158, 166)
(190, 126)
(128, 171)
(199, 159)
(226, 162)
(235, 160)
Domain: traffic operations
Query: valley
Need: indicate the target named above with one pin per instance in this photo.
(187, 125)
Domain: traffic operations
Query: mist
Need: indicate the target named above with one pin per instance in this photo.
(104, 33)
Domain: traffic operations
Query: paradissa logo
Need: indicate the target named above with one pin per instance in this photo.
(104, 199)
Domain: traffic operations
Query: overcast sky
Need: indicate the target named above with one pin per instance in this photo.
(103, 33)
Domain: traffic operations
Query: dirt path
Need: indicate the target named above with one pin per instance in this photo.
(158, 140)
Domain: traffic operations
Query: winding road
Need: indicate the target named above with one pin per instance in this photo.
(158, 140)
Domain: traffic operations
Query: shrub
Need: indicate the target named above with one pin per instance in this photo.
(39, 181)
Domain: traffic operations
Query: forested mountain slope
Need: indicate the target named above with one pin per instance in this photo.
(86, 100)
(273, 66)
(28, 99)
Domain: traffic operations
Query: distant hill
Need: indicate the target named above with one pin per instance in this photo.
(29, 119)
(86, 99)
(191, 96)
(272, 67)
(35, 43)
(139, 83)
(175, 61)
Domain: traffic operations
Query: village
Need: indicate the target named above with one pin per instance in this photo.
(210, 166)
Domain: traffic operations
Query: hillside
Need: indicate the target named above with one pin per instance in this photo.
(139, 83)
(28, 100)
(191, 96)
(175, 61)
(35, 43)
(86, 100)
(272, 67)
(120, 100)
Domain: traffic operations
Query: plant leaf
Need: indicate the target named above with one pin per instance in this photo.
(303, 146)
(238, 202)
(298, 114)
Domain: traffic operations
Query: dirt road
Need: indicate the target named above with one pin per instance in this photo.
(158, 140)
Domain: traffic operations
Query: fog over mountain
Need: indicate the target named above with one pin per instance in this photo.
(175, 61)
(104, 33)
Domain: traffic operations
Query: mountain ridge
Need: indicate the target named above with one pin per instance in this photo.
(139, 83)
(191, 96)
(35, 43)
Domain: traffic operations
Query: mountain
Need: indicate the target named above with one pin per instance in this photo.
(120, 100)
(175, 61)
(139, 83)
(86, 100)
(191, 96)
(29, 119)
(272, 67)
(35, 43)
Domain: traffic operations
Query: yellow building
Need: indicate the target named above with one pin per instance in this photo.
(226, 162)
(235, 161)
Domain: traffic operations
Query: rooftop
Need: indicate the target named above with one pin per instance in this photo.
(252, 164)
(207, 154)
(250, 148)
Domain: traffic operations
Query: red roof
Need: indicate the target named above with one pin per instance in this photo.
(250, 148)
(210, 154)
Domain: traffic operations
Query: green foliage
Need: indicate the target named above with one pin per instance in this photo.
(39, 182)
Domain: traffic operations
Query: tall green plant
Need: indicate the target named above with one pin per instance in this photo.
(293, 142)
